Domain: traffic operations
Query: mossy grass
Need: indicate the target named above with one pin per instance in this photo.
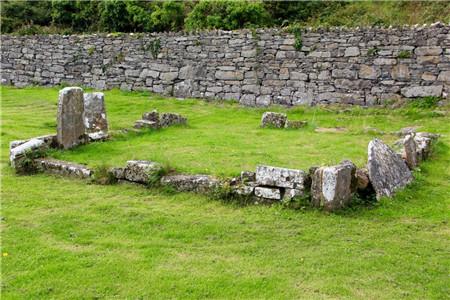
(62, 238)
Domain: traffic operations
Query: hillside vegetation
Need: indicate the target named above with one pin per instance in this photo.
(74, 17)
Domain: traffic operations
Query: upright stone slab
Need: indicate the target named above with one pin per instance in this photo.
(333, 187)
(411, 152)
(95, 112)
(274, 119)
(387, 171)
(70, 125)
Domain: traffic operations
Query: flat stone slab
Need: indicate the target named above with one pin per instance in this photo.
(63, 168)
(387, 171)
(331, 129)
(141, 170)
(49, 141)
(406, 130)
(295, 124)
(273, 119)
(332, 186)
(281, 177)
(146, 124)
(95, 112)
(99, 136)
(191, 183)
(70, 125)
(268, 193)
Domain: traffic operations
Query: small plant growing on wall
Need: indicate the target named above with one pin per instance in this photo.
(404, 54)
(374, 51)
(297, 32)
(154, 46)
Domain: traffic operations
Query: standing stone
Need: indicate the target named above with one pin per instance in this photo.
(332, 186)
(387, 171)
(95, 112)
(273, 119)
(70, 125)
(411, 153)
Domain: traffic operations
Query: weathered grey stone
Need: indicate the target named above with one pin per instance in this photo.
(331, 129)
(428, 51)
(63, 168)
(293, 193)
(98, 136)
(406, 130)
(369, 72)
(444, 77)
(248, 177)
(70, 125)
(95, 112)
(117, 172)
(281, 177)
(5, 79)
(422, 91)
(19, 152)
(400, 73)
(332, 186)
(244, 190)
(276, 120)
(423, 145)
(151, 116)
(362, 177)
(227, 75)
(141, 170)
(191, 183)
(268, 193)
(410, 152)
(295, 124)
(351, 51)
(387, 171)
(168, 119)
(138, 124)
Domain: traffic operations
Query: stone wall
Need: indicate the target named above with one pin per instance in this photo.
(363, 66)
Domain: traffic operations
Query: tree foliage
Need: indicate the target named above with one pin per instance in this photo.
(63, 16)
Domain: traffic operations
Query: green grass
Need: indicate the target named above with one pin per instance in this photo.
(69, 239)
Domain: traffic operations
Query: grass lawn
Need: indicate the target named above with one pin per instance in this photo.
(67, 238)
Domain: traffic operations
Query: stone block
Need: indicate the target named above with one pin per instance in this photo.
(99, 136)
(63, 168)
(293, 193)
(268, 193)
(18, 152)
(168, 119)
(229, 75)
(117, 172)
(141, 170)
(295, 124)
(281, 177)
(428, 51)
(369, 72)
(276, 120)
(70, 125)
(387, 171)
(191, 183)
(422, 91)
(146, 124)
(400, 73)
(352, 51)
(332, 186)
(152, 116)
(411, 157)
(95, 112)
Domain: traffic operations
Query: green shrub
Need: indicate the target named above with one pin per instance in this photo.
(426, 102)
(404, 54)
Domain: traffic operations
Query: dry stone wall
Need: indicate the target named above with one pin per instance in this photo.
(363, 66)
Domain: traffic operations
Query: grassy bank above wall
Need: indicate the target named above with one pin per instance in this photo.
(68, 239)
